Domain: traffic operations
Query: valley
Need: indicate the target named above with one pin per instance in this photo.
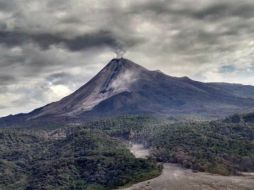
(174, 177)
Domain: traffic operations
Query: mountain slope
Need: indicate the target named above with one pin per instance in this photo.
(244, 91)
(123, 87)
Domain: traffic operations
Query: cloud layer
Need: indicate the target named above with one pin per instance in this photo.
(49, 48)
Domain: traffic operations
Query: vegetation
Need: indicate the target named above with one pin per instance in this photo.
(241, 118)
(213, 147)
(217, 147)
(83, 159)
(93, 156)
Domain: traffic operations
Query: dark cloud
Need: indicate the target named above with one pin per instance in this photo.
(6, 79)
(58, 5)
(7, 5)
(71, 20)
(3, 26)
(221, 10)
(53, 44)
(2, 107)
(227, 69)
(213, 10)
(3, 89)
(60, 78)
(92, 40)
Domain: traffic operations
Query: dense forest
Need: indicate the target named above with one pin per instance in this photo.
(222, 147)
(77, 159)
(94, 155)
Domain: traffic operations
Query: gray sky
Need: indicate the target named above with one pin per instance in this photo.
(49, 48)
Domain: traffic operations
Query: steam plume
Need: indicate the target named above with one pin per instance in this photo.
(119, 52)
(119, 49)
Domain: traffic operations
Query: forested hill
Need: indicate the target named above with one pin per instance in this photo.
(78, 159)
(94, 156)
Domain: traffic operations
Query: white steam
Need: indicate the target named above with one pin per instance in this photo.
(124, 80)
(119, 53)
(119, 49)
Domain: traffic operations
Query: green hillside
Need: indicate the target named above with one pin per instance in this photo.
(84, 159)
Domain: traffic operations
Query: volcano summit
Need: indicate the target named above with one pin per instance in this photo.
(123, 87)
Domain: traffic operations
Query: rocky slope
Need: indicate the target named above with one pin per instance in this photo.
(123, 87)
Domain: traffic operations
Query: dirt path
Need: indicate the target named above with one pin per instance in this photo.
(174, 177)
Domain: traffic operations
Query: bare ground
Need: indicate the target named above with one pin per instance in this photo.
(174, 177)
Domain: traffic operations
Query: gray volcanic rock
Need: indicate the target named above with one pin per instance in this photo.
(116, 78)
(123, 87)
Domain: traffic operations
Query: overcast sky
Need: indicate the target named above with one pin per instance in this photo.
(49, 48)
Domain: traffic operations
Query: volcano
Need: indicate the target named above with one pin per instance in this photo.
(125, 88)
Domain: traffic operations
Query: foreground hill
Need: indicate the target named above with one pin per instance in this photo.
(123, 87)
(93, 156)
(66, 159)
(241, 118)
(217, 147)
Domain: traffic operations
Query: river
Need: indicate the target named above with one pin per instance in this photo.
(174, 177)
